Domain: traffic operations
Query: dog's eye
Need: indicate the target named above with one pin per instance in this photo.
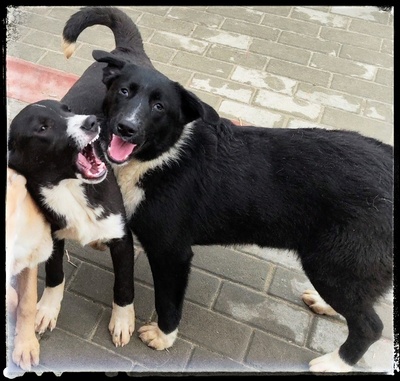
(158, 107)
(124, 91)
(43, 127)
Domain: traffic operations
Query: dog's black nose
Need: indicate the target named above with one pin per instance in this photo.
(90, 123)
(127, 129)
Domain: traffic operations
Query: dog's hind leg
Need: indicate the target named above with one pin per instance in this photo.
(48, 308)
(170, 272)
(364, 325)
(122, 322)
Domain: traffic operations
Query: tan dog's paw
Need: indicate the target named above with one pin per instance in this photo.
(26, 351)
(122, 324)
(155, 338)
(48, 308)
(317, 304)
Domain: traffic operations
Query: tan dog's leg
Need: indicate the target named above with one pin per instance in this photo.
(26, 345)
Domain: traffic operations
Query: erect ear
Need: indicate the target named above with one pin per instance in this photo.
(193, 107)
(113, 69)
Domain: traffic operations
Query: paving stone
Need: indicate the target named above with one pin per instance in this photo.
(197, 16)
(204, 362)
(368, 56)
(230, 39)
(362, 88)
(299, 72)
(287, 104)
(370, 13)
(350, 38)
(82, 356)
(264, 80)
(369, 127)
(94, 283)
(78, 316)
(281, 51)
(256, 116)
(242, 268)
(252, 30)
(202, 288)
(167, 24)
(380, 111)
(319, 16)
(311, 43)
(263, 312)
(328, 97)
(270, 354)
(202, 64)
(296, 26)
(385, 77)
(235, 56)
(241, 13)
(214, 331)
(289, 285)
(343, 66)
(177, 41)
(227, 89)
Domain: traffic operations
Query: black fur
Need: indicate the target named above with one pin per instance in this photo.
(328, 195)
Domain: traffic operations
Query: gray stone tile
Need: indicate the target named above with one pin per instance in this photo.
(242, 268)
(204, 361)
(270, 354)
(62, 352)
(261, 311)
(214, 331)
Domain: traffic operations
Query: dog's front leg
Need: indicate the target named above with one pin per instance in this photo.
(170, 272)
(48, 308)
(122, 322)
(26, 345)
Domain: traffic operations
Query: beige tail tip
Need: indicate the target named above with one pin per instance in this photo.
(68, 48)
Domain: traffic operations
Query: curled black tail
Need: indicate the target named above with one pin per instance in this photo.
(126, 33)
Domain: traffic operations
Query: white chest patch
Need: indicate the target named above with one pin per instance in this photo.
(130, 174)
(83, 222)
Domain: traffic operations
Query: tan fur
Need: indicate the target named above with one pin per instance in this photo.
(28, 242)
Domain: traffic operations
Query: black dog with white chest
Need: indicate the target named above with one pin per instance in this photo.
(56, 151)
(189, 177)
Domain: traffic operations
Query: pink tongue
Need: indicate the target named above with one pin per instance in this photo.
(119, 149)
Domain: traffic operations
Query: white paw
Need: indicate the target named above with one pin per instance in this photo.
(48, 308)
(316, 303)
(26, 351)
(122, 324)
(331, 362)
(155, 338)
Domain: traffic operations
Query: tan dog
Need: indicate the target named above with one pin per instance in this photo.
(28, 242)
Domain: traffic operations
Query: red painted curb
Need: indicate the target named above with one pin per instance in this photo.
(28, 82)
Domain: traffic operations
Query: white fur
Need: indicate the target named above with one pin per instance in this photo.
(128, 175)
(74, 130)
(331, 362)
(48, 308)
(83, 223)
(122, 324)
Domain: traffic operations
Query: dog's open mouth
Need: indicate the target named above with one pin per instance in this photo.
(89, 164)
(119, 150)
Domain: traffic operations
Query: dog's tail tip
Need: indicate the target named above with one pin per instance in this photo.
(68, 48)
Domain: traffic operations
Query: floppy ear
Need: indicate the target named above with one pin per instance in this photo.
(113, 69)
(194, 108)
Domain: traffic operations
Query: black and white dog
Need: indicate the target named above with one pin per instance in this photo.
(189, 177)
(55, 150)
